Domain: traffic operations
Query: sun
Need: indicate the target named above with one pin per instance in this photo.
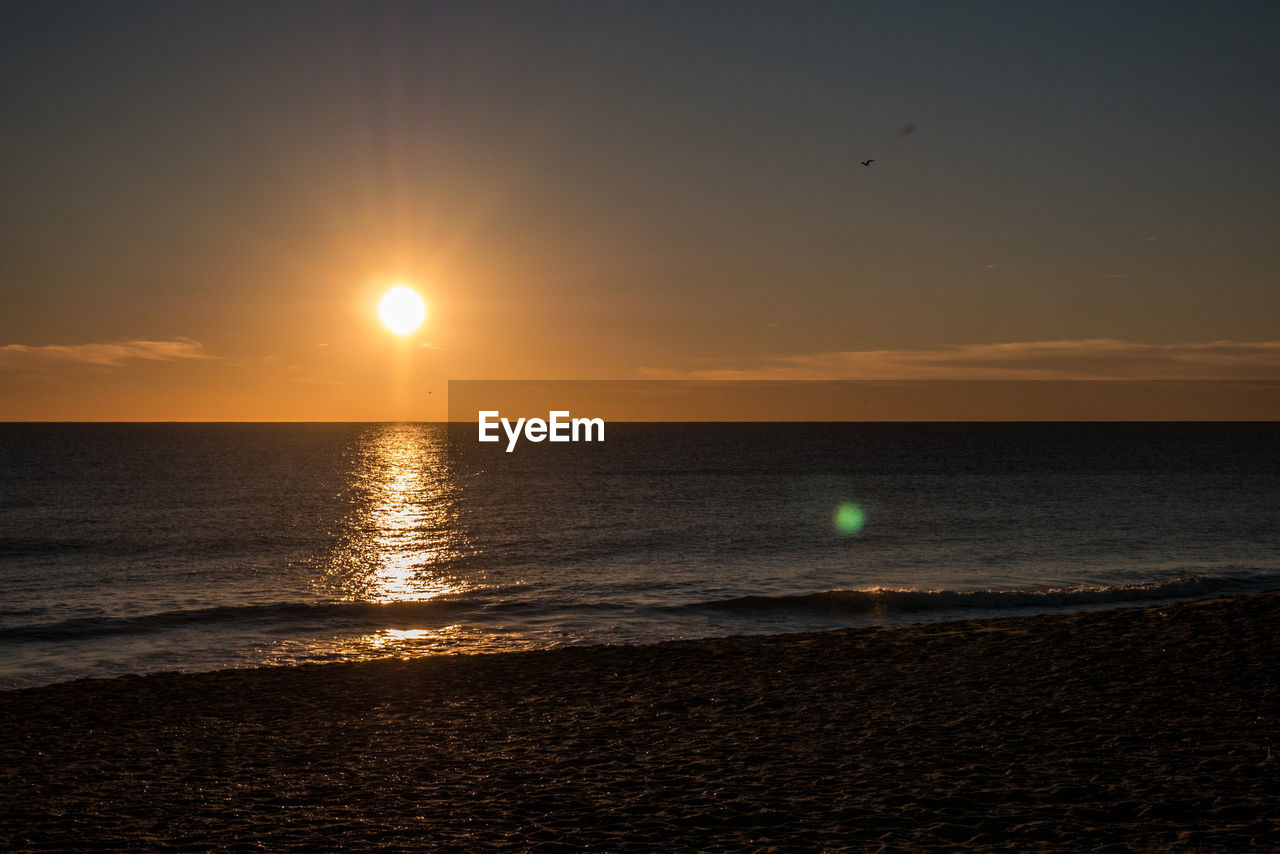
(402, 310)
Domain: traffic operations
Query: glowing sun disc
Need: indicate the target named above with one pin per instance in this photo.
(402, 310)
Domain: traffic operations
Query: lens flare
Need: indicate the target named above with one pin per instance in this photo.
(850, 518)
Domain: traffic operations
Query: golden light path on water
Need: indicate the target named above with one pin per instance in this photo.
(398, 543)
(402, 532)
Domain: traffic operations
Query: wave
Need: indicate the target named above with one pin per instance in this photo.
(879, 601)
(474, 606)
(325, 615)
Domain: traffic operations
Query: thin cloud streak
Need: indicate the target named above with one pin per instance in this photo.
(108, 354)
(1092, 359)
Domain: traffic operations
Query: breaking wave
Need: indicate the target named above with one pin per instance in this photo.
(889, 602)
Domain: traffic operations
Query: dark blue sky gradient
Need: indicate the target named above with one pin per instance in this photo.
(680, 179)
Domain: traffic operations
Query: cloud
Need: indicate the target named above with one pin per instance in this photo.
(111, 354)
(1091, 359)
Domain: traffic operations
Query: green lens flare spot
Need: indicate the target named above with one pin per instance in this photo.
(850, 518)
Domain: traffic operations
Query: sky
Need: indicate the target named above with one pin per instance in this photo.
(203, 202)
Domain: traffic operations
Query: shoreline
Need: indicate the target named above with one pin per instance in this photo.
(853, 610)
(1138, 728)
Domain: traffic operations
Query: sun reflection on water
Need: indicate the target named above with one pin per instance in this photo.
(388, 643)
(399, 542)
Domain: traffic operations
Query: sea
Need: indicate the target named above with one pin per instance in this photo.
(134, 548)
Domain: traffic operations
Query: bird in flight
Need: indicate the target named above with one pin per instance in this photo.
(868, 162)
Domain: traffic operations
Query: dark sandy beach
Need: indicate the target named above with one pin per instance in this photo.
(1143, 729)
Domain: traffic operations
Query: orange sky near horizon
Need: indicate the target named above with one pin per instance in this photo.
(630, 192)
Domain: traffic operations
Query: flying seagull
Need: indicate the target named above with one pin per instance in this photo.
(868, 162)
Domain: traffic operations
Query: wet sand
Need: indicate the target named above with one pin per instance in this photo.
(1147, 729)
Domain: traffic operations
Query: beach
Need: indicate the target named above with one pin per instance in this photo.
(1129, 730)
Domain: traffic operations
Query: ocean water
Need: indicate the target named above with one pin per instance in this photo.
(130, 548)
